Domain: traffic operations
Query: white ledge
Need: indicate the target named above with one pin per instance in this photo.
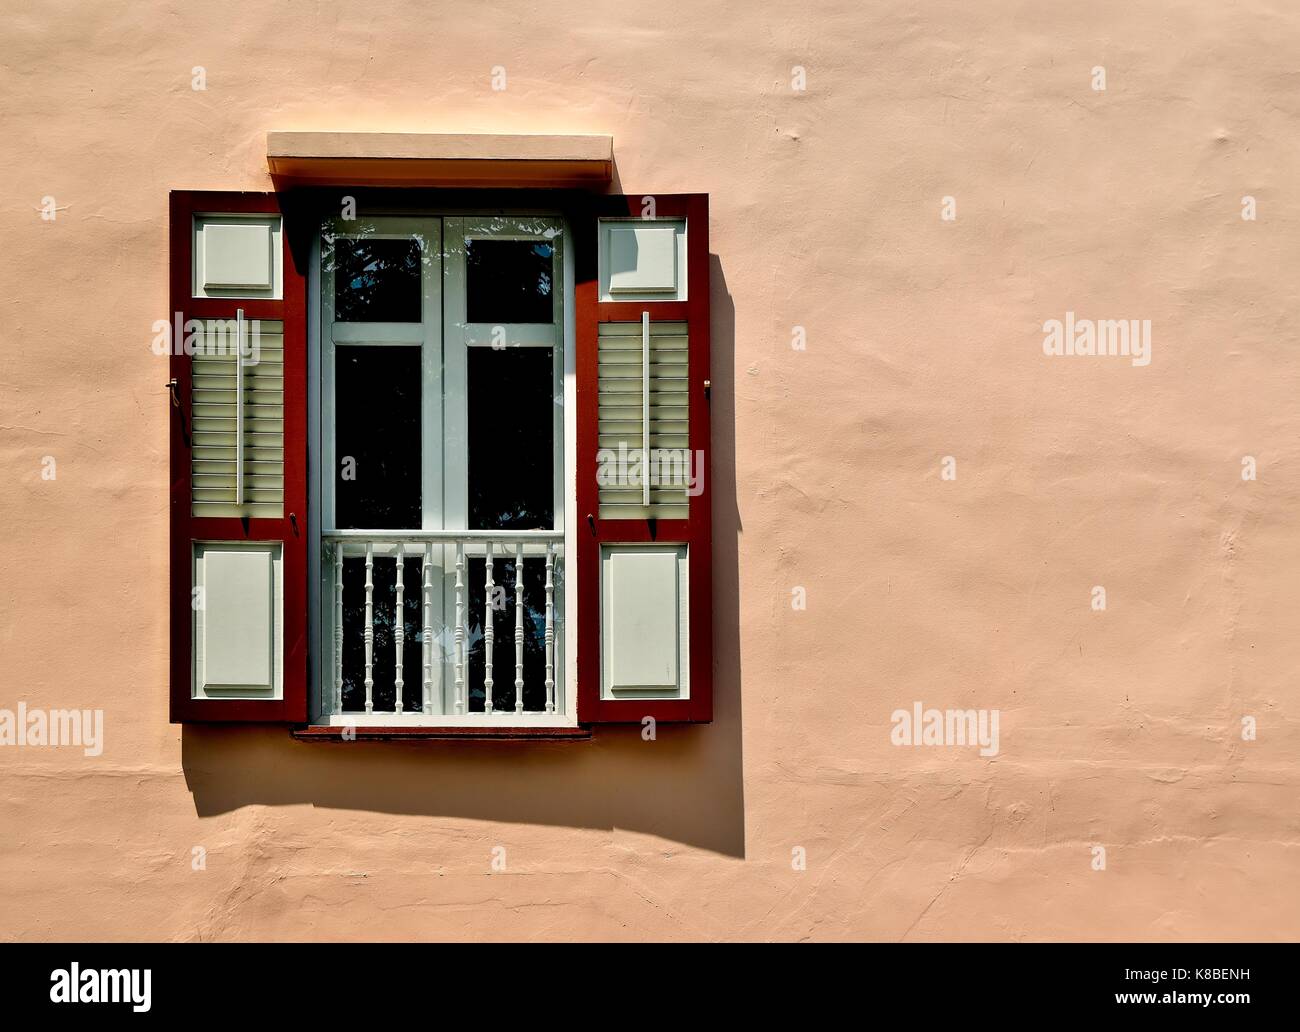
(438, 159)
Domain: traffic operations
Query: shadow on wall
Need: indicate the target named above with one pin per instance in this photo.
(686, 786)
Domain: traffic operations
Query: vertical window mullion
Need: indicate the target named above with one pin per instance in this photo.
(432, 452)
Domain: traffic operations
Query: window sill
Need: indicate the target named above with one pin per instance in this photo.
(333, 733)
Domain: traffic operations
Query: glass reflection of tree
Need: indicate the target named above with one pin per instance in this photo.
(376, 277)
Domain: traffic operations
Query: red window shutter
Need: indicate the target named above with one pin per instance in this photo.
(238, 464)
(637, 565)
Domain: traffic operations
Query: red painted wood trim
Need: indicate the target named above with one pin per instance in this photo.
(185, 528)
(322, 733)
(701, 512)
(223, 308)
(696, 530)
(630, 311)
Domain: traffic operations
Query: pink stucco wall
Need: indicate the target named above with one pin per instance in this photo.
(1120, 729)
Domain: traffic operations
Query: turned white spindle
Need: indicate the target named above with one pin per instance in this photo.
(399, 628)
(460, 627)
(336, 696)
(426, 638)
(519, 627)
(550, 628)
(369, 633)
(489, 634)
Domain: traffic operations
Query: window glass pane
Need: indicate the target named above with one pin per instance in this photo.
(377, 437)
(376, 280)
(354, 616)
(511, 453)
(509, 281)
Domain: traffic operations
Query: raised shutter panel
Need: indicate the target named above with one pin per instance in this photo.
(644, 513)
(238, 461)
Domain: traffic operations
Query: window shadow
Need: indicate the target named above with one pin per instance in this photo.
(686, 786)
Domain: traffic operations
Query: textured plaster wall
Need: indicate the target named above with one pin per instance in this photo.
(1119, 728)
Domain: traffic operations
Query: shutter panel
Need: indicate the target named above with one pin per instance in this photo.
(225, 407)
(624, 351)
(643, 491)
(238, 426)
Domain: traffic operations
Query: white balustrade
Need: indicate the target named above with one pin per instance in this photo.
(550, 628)
(449, 623)
(519, 627)
(460, 627)
(426, 637)
(399, 629)
(369, 632)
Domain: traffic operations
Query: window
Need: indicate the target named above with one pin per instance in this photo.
(442, 471)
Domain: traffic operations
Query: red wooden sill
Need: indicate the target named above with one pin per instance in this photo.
(330, 733)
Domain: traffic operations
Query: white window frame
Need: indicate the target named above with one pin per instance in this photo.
(444, 305)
